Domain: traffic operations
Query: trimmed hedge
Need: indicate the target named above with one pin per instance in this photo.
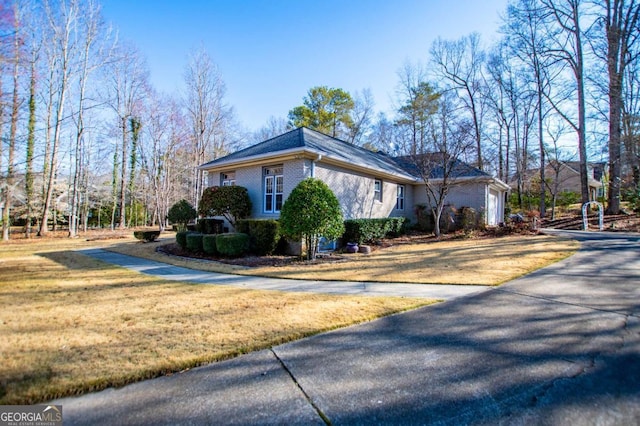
(264, 235)
(233, 244)
(209, 243)
(194, 242)
(147, 236)
(181, 238)
(371, 230)
(210, 226)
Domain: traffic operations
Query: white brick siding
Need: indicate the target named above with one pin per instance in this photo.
(356, 193)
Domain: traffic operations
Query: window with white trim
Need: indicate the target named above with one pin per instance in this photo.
(273, 189)
(400, 198)
(377, 190)
(228, 179)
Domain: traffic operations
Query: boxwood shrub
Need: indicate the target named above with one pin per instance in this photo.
(181, 238)
(371, 230)
(264, 234)
(146, 236)
(209, 243)
(210, 226)
(194, 242)
(233, 244)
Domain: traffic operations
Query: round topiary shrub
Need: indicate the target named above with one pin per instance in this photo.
(194, 242)
(233, 244)
(209, 244)
(181, 238)
(181, 213)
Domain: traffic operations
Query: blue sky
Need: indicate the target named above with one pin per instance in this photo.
(271, 52)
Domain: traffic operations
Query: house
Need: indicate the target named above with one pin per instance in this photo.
(568, 178)
(368, 184)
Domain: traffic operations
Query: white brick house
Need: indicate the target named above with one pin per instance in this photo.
(367, 184)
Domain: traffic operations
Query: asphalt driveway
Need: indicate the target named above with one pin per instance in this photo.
(559, 346)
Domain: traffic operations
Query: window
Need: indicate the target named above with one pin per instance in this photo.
(400, 198)
(377, 190)
(273, 189)
(228, 179)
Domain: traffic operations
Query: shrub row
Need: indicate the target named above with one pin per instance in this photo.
(147, 236)
(370, 230)
(230, 245)
(210, 226)
(264, 235)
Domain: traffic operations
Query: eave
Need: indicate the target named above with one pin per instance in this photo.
(307, 154)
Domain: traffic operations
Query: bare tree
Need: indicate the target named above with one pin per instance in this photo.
(631, 122)
(62, 19)
(273, 127)
(498, 76)
(461, 64)
(525, 26)
(565, 36)
(207, 115)
(13, 130)
(361, 116)
(161, 155)
(88, 31)
(620, 21)
(438, 160)
(128, 82)
(557, 157)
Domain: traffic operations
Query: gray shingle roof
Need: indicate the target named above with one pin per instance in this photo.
(312, 140)
(433, 163)
(303, 138)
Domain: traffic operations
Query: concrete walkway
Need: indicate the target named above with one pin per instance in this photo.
(559, 346)
(176, 273)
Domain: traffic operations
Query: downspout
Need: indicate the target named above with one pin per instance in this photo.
(313, 165)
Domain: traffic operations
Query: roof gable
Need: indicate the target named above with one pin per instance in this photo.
(305, 139)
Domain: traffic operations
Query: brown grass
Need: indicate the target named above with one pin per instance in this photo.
(488, 261)
(71, 324)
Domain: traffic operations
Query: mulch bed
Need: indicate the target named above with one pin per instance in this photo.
(174, 249)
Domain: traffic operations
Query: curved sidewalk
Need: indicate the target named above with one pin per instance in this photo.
(558, 346)
(177, 273)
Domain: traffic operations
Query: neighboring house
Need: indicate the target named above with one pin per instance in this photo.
(367, 184)
(568, 173)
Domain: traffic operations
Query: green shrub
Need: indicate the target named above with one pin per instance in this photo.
(209, 243)
(632, 196)
(194, 242)
(233, 244)
(467, 219)
(264, 234)
(146, 236)
(371, 230)
(181, 213)
(566, 198)
(231, 202)
(310, 212)
(181, 238)
(210, 226)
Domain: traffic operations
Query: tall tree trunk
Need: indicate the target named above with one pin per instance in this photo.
(621, 32)
(31, 128)
(62, 35)
(123, 178)
(114, 189)
(582, 115)
(8, 195)
(135, 134)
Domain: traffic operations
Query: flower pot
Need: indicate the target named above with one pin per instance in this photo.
(352, 248)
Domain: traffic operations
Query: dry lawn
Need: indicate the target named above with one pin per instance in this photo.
(489, 261)
(71, 324)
